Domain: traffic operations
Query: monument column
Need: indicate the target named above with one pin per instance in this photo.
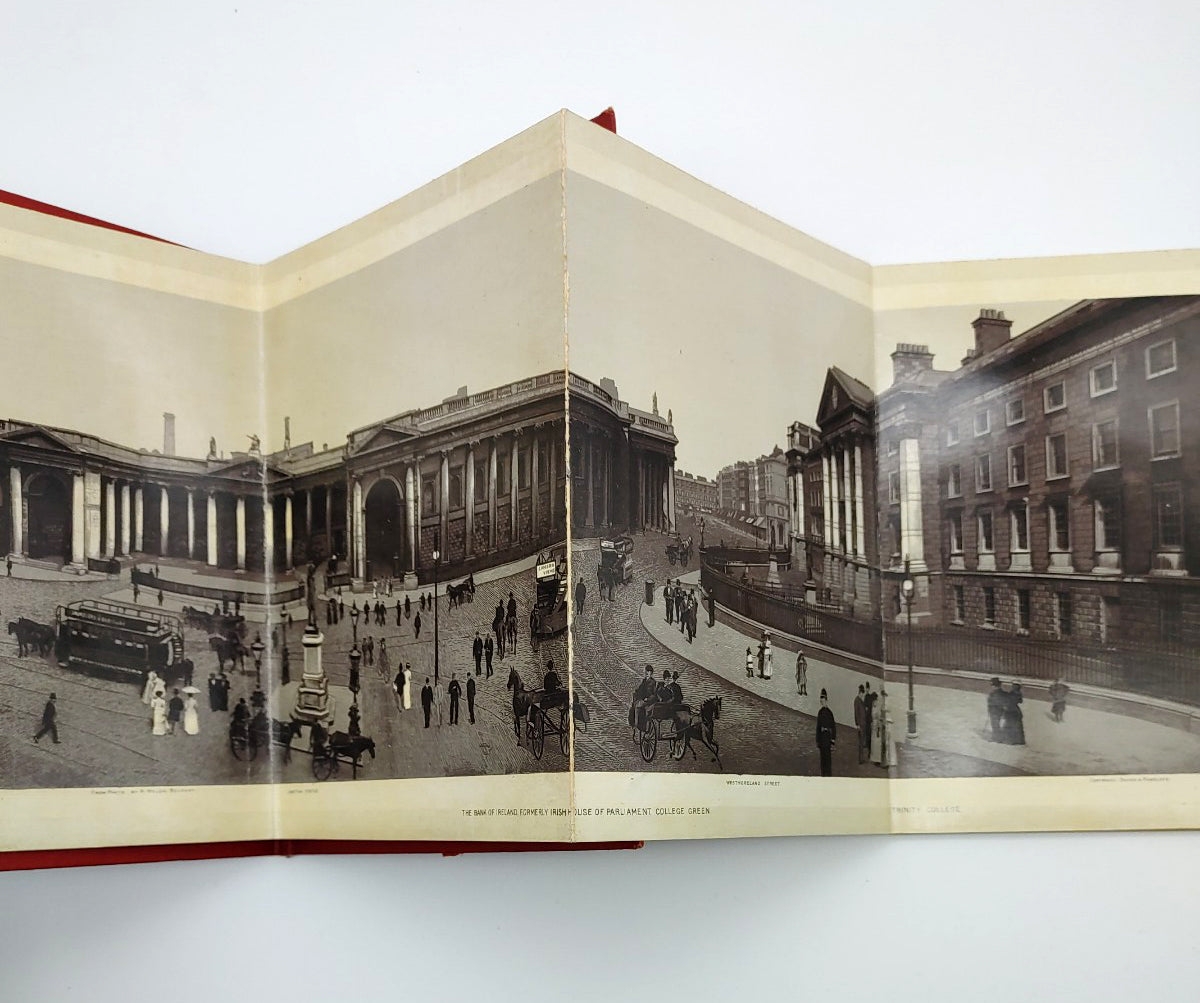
(240, 524)
(16, 502)
(211, 537)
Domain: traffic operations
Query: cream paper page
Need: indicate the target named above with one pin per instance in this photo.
(130, 360)
(1039, 417)
(711, 350)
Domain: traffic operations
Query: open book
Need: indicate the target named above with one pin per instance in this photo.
(569, 499)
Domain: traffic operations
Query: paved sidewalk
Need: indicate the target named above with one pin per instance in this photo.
(954, 720)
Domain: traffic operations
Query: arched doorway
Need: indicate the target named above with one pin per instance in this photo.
(49, 501)
(384, 530)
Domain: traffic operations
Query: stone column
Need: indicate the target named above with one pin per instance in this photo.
(110, 518)
(16, 501)
(589, 462)
(671, 498)
(848, 504)
(606, 481)
(91, 513)
(358, 537)
(469, 501)
(308, 515)
(126, 520)
(211, 537)
(515, 518)
(412, 513)
(912, 538)
(164, 519)
(139, 518)
(268, 529)
(860, 531)
(492, 495)
(444, 505)
(287, 531)
(191, 524)
(534, 486)
(641, 492)
(240, 524)
(329, 518)
(552, 476)
(78, 553)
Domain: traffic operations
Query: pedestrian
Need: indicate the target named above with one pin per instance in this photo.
(427, 700)
(995, 709)
(222, 691)
(860, 723)
(471, 698)
(354, 727)
(693, 610)
(512, 608)
(477, 652)
(1014, 719)
(160, 597)
(191, 716)
(188, 670)
(329, 613)
(642, 697)
(407, 607)
(801, 673)
(213, 699)
(417, 627)
(383, 664)
(407, 686)
(712, 610)
(8, 569)
(49, 720)
(158, 716)
(488, 650)
(455, 692)
(749, 664)
(174, 711)
(399, 612)
(1058, 698)
(398, 685)
(826, 735)
(135, 584)
(883, 745)
(669, 602)
(148, 689)
(767, 655)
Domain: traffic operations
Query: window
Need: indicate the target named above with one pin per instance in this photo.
(954, 481)
(985, 532)
(989, 606)
(1019, 527)
(456, 487)
(1104, 445)
(954, 523)
(1170, 619)
(1108, 524)
(983, 422)
(983, 473)
(1103, 378)
(1016, 465)
(1160, 359)
(1054, 397)
(1024, 608)
(1168, 516)
(1062, 613)
(952, 434)
(893, 447)
(1056, 455)
(1060, 524)
(481, 481)
(1164, 430)
(502, 473)
(522, 469)
(893, 487)
(429, 495)
(1014, 411)
(960, 604)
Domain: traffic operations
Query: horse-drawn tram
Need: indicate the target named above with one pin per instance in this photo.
(119, 640)
(548, 617)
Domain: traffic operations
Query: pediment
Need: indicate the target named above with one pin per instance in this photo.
(840, 394)
(37, 437)
(385, 435)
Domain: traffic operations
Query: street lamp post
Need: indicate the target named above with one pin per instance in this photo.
(908, 589)
(257, 649)
(354, 622)
(437, 558)
(355, 659)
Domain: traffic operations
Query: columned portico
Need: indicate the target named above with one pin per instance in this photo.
(211, 526)
(16, 502)
(139, 519)
(469, 501)
(126, 520)
(191, 524)
(110, 518)
(287, 530)
(240, 529)
(78, 551)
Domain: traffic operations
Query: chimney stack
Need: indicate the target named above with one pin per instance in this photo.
(168, 434)
(909, 361)
(992, 330)
(287, 434)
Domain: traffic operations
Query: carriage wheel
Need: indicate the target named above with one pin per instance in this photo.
(649, 741)
(323, 766)
(539, 735)
(564, 731)
(241, 747)
(678, 746)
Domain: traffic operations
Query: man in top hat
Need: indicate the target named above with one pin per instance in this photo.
(826, 735)
(49, 720)
(860, 722)
(643, 695)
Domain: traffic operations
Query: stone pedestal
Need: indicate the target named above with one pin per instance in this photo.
(313, 702)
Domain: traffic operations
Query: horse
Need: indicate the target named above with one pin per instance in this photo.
(465, 590)
(522, 700)
(704, 729)
(279, 733)
(227, 649)
(32, 635)
(22, 637)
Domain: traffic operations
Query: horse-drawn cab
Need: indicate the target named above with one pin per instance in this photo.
(679, 551)
(616, 559)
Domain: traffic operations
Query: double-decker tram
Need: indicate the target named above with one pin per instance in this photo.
(549, 614)
(119, 640)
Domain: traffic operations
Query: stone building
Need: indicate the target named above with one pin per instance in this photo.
(695, 492)
(1043, 486)
(757, 491)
